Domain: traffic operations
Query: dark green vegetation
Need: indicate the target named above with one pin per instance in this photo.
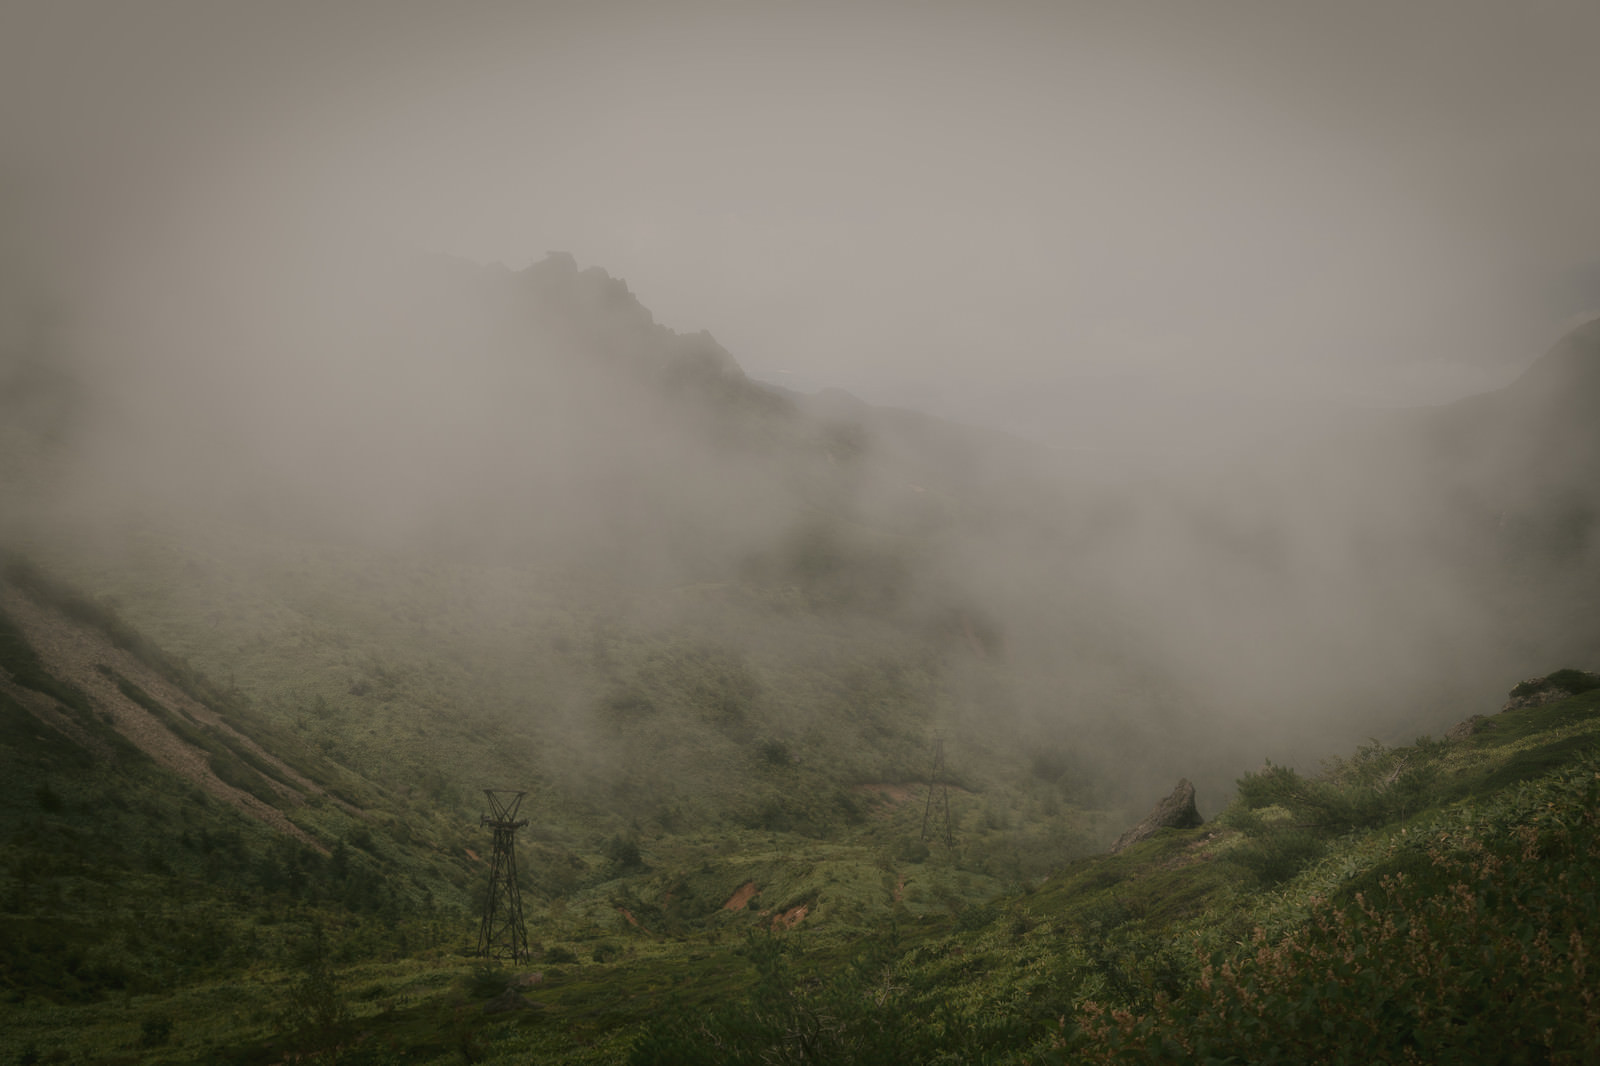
(1430, 902)
(219, 854)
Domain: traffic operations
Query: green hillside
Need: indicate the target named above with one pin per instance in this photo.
(1382, 910)
(168, 836)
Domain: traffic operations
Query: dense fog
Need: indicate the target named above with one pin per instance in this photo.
(1179, 283)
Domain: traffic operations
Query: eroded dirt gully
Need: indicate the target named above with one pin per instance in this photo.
(72, 652)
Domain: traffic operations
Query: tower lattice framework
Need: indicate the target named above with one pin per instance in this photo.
(503, 934)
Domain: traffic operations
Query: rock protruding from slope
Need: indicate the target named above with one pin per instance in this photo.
(1561, 685)
(1478, 723)
(94, 663)
(1177, 811)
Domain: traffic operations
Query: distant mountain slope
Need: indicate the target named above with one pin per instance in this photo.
(1537, 435)
(442, 500)
(492, 435)
(1399, 561)
(1520, 469)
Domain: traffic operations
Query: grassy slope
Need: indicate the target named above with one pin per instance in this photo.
(423, 672)
(126, 884)
(156, 895)
(1427, 903)
(146, 923)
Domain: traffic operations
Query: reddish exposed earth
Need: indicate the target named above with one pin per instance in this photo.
(741, 897)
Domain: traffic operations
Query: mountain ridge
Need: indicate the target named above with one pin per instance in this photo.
(695, 475)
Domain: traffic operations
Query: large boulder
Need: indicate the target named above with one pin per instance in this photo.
(1177, 811)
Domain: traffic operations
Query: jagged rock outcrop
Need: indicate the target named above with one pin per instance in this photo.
(1177, 811)
(1563, 684)
(1478, 723)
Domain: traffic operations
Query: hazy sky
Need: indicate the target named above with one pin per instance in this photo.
(970, 206)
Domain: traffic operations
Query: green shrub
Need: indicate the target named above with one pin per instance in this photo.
(1277, 855)
(47, 798)
(488, 981)
(624, 855)
(155, 1031)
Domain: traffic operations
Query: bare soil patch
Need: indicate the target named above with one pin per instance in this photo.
(792, 917)
(886, 794)
(741, 897)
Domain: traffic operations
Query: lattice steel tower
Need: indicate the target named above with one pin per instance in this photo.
(503, 934)
(937, 784)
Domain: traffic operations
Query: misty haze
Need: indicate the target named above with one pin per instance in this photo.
(1014, 534)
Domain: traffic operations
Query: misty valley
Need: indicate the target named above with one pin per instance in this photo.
(832, 721)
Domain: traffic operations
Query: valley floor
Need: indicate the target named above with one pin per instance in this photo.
(1434, 903)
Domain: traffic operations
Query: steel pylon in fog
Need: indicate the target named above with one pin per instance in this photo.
(503, 935)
